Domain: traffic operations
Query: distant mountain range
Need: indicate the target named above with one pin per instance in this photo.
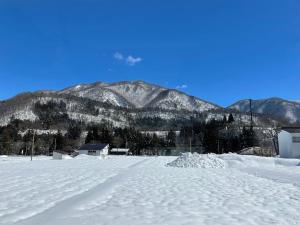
(126, 101)
(273, 107)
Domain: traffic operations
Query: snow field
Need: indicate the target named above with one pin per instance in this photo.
(143, 190)
(29, 188)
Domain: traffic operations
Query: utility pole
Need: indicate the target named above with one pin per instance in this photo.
(55, 143)
(191, 141)
(32, 146)
(251, 114)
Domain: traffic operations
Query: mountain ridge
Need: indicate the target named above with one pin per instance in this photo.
(276, 107)
(121, 100)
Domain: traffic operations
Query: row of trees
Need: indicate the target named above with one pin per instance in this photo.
(215, 136)
(13, 141)
(218, 136)
(138, 142)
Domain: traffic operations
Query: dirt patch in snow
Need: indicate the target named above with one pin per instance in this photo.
(195, 160)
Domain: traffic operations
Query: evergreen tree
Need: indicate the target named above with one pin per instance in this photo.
(60, 140)
(171, 139)
(89, 138)
(224, 119)
(230, 118)
(73, 132)
(248, 138)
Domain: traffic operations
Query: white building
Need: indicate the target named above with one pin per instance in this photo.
(60, 155)
(94, 149)
(119, 151)
(289, 142)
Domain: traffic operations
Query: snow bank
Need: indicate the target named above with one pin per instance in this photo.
(67, 157)
(89, 157)
(196, 160)
(3, 157)
(240, 161)
(14, 158)
(230, 160)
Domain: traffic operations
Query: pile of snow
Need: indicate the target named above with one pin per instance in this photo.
(3, 157)
(67, 157)
(196, 160)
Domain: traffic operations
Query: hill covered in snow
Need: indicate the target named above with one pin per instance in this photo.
(139, 94)
(125, 103)
(120, 103)
(273, 107)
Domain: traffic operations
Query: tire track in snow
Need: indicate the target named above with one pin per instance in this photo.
(64, 209)
(274, 175)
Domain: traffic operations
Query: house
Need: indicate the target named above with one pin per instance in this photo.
(119, 151)
(289, 142)
(58, 154)
(94, 149)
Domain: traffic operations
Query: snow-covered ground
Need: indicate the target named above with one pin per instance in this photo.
(226, 189)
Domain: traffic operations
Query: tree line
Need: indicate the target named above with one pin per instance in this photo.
(214, 136)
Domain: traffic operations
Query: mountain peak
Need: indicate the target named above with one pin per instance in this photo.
(139, 94)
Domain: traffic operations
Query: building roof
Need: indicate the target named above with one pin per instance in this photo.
(98, 146)
(291, 129)
(61, 152)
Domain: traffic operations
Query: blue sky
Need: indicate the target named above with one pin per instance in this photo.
(218, 50)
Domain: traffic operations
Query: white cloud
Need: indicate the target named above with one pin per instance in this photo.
(129, 60)
(118, 56)
(182, 86)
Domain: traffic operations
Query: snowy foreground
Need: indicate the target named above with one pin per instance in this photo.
(207, 189)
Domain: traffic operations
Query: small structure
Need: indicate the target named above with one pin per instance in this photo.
(59, 155)
(94, 149)
(119, 151)
(259, 151)
(289, 142)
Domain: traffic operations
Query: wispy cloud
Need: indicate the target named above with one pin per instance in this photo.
(118, 56)
(129, 60)
(182, 86)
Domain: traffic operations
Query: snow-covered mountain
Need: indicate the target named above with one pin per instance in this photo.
(139, 94)
(119, 103)
(274, 107)
(124, 103)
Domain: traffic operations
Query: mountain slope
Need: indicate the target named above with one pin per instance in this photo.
(126, 103)
(120, 103)
(172, 99)
(275, 107)
(97, 92)
(139, 94)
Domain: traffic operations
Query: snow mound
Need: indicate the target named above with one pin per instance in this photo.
(195, 160)
(67, 157)
(3, 157)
